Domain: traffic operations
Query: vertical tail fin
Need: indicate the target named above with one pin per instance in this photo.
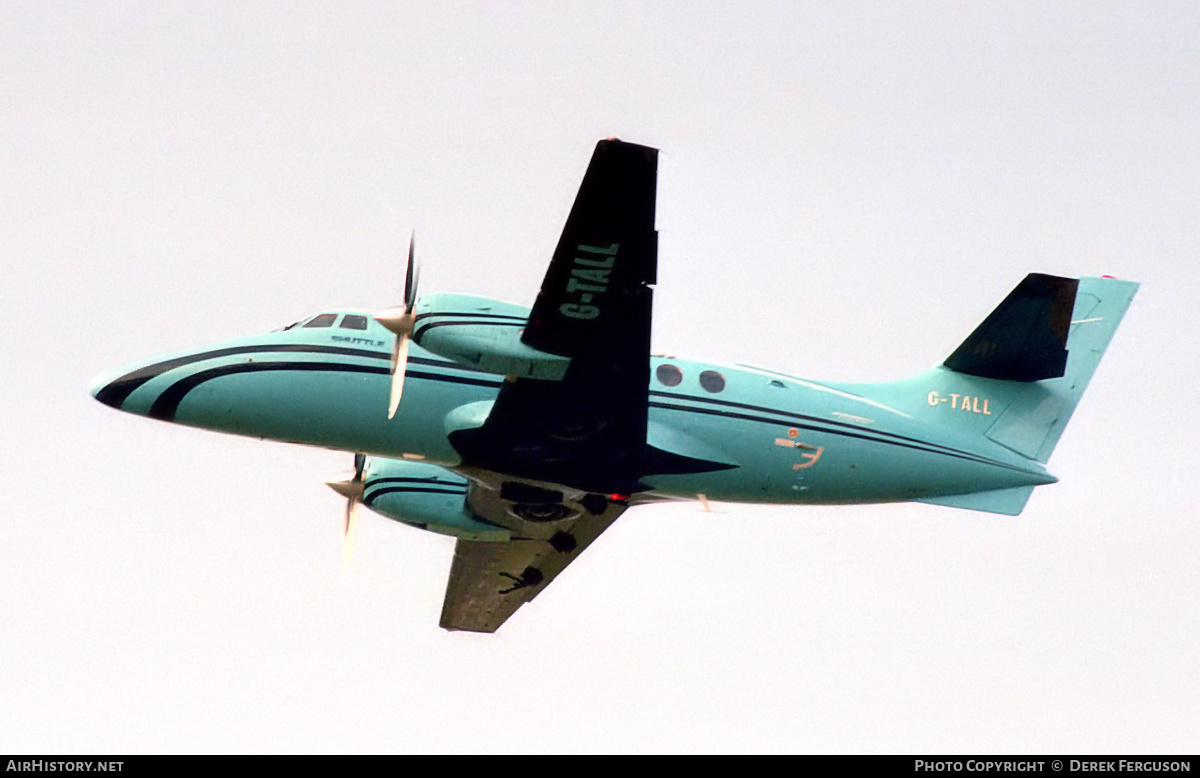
(1016, 380)
(1018, 377)
(1020, 374)
(1033, 421)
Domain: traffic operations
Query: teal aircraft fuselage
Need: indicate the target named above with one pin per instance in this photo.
(788, 440)
(525, 432)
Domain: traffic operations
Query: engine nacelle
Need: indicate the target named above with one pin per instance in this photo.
(484, 334)
(424, 496)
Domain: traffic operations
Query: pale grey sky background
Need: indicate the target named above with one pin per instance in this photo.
(846, 190)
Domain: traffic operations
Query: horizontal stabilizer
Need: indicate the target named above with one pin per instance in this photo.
(1008, 502)
(1025, 338)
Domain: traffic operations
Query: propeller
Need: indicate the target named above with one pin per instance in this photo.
(400, 320)
(350, 486)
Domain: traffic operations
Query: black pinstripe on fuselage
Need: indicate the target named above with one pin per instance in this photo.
(167, 402)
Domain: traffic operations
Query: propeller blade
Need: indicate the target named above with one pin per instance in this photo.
(401, 321)
(350, 486)
(412, 274)
(349, 529)
(399, 366)
(348, 519)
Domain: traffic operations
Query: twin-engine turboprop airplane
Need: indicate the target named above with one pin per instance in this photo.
(525, 432)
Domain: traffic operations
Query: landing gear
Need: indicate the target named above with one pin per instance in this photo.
(541, 511)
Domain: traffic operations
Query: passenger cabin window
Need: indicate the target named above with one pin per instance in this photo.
(712, 381)
(324, 320)
(669, 375)
(354, 322)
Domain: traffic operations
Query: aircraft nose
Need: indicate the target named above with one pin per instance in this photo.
(113, 387)
(102, 388)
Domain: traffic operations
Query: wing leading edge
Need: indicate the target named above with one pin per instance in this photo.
(588, 430)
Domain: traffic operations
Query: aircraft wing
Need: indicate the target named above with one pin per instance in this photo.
(490, 580)
(588, 430)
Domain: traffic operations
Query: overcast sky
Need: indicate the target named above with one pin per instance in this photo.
(846, 190)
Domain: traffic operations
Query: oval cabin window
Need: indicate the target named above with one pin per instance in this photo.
(712, 381)
(669, 375)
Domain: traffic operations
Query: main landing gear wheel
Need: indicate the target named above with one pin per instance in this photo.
(542, 511)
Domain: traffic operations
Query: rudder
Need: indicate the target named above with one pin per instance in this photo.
(1033, 422)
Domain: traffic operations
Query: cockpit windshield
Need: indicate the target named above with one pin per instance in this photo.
(322, 320)
(350, 321)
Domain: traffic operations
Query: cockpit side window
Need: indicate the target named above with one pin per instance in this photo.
(354, 322)
(323, 320)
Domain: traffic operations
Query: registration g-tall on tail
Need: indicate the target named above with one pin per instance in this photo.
(525, 432)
